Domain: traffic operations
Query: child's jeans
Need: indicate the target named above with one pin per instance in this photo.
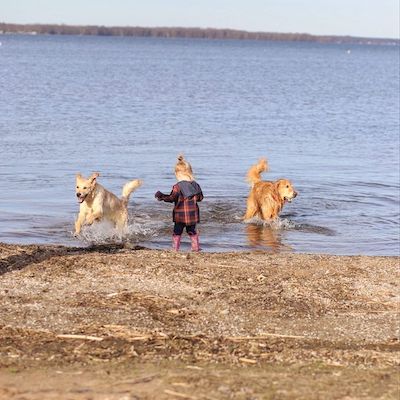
(179, 226)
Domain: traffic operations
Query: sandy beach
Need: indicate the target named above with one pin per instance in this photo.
(132, 323)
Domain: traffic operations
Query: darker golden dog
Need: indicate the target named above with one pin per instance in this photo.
(266, 199)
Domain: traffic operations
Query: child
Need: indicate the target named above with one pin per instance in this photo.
(185, 194)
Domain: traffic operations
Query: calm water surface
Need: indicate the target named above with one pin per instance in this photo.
(325, 116)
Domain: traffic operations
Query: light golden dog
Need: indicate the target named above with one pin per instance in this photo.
(97, 203)
(266, 198)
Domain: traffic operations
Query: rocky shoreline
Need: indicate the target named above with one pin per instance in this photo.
(149, 324)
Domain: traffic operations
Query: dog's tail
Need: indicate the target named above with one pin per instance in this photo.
(129, 188)
(254, 173)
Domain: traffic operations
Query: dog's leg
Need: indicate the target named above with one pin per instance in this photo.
(93, 216)
(79, 222)
(121, 223)
(252, 207)
(268, 211)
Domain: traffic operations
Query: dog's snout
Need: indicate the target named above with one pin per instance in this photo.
(78, 195)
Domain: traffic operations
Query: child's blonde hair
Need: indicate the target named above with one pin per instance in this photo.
(183, 170)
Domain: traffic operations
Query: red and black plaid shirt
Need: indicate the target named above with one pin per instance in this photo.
(186, 210)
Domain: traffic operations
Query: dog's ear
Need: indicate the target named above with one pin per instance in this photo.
(78, 175)
(94, 176)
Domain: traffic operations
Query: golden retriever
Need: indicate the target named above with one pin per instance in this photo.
(266, 198)
(97, 203)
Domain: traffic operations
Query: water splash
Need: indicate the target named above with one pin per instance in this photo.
(277, 223)
(104, 232)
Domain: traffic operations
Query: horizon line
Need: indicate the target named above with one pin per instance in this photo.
(233, 30)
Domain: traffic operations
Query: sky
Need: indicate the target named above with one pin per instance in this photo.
(366, 18)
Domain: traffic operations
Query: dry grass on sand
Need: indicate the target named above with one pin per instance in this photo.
(118, 323)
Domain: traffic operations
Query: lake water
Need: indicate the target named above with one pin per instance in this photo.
(325, 116)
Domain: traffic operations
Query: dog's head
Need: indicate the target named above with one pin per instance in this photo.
(85, 186)
(286, 190)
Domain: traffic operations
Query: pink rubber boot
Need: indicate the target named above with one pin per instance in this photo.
(176, 242)
(195, 242)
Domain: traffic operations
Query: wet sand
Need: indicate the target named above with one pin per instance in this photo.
(125, 323)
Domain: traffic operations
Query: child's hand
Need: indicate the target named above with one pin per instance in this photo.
(158, 196)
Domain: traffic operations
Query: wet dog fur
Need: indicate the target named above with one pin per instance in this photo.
(97, 203)
(266, 198)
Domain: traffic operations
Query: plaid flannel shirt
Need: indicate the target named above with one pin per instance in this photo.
(186, 210)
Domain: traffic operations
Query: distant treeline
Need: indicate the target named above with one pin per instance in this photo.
(203, 33)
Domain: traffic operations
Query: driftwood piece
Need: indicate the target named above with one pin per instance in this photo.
(81, 337)
(247, 360)
(262, 337)
(180, 395)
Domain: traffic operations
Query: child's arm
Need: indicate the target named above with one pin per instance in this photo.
(168, 198)
(199, 197)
